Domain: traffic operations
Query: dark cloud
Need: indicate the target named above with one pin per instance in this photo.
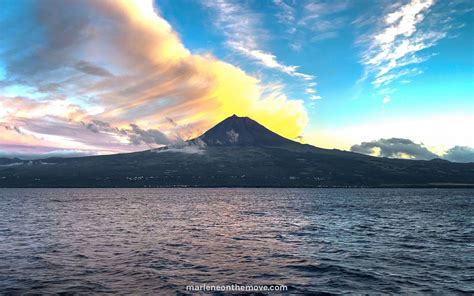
(62, 128)
(395, 148)
(48, 87)
(96, 126)
(91, 69)
(12, 128)
(460, 154)
(170, 120)
(152, 136)
(46, 47)
(135, 134)
(398, 148)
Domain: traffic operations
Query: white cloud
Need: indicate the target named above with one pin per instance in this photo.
(318, 20)
(270, 61)
(324, 19)
(240, 26)
(386, 91)
(403, 21)
(399, 38)
(387, 79)
(310, 22)
(286, 15)
(386, 100)
(324, 36)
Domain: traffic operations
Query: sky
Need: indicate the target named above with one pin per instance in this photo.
(385, 78)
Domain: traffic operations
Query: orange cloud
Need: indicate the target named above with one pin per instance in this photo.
(192, 88)
(120, 62)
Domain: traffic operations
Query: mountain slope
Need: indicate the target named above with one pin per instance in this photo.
(256, 157)
(243, 131)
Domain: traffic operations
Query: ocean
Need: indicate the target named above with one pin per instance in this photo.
(159, 241)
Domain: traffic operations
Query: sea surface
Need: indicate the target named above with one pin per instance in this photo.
(158, 241)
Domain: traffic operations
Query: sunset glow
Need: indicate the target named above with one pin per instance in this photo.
(87, 76)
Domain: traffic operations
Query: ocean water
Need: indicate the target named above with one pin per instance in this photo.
(158, 241)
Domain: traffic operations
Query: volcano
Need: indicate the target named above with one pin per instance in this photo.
(243, 131)
(237, 152)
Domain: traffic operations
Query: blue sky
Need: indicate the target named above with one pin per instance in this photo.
(330, 40)
(337, 73)
(442, 81)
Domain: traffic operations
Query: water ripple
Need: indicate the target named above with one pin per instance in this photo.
(157, 241)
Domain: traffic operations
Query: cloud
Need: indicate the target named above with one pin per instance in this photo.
(404, 20)
(386, 99)
(135, 134)
(324, 18)
(91, 69)
(96, 126)
(171, 121)
(311, 21)
(233, 136)
(401, 36)
(151, 136)
(404, 148)
(95, 137)
(196, 146)
(394, 148)
(270, 61)
(286, 15)
(242, 29)
(315, 97)
(33, 154)
(121, 63)
(439, 132)
(317, 16)
(324, 36)
(40, 137)
(389, 78)
(398, 39)
(460, 154)
(11, 128)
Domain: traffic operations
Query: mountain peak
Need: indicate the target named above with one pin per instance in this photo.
(242, 131)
